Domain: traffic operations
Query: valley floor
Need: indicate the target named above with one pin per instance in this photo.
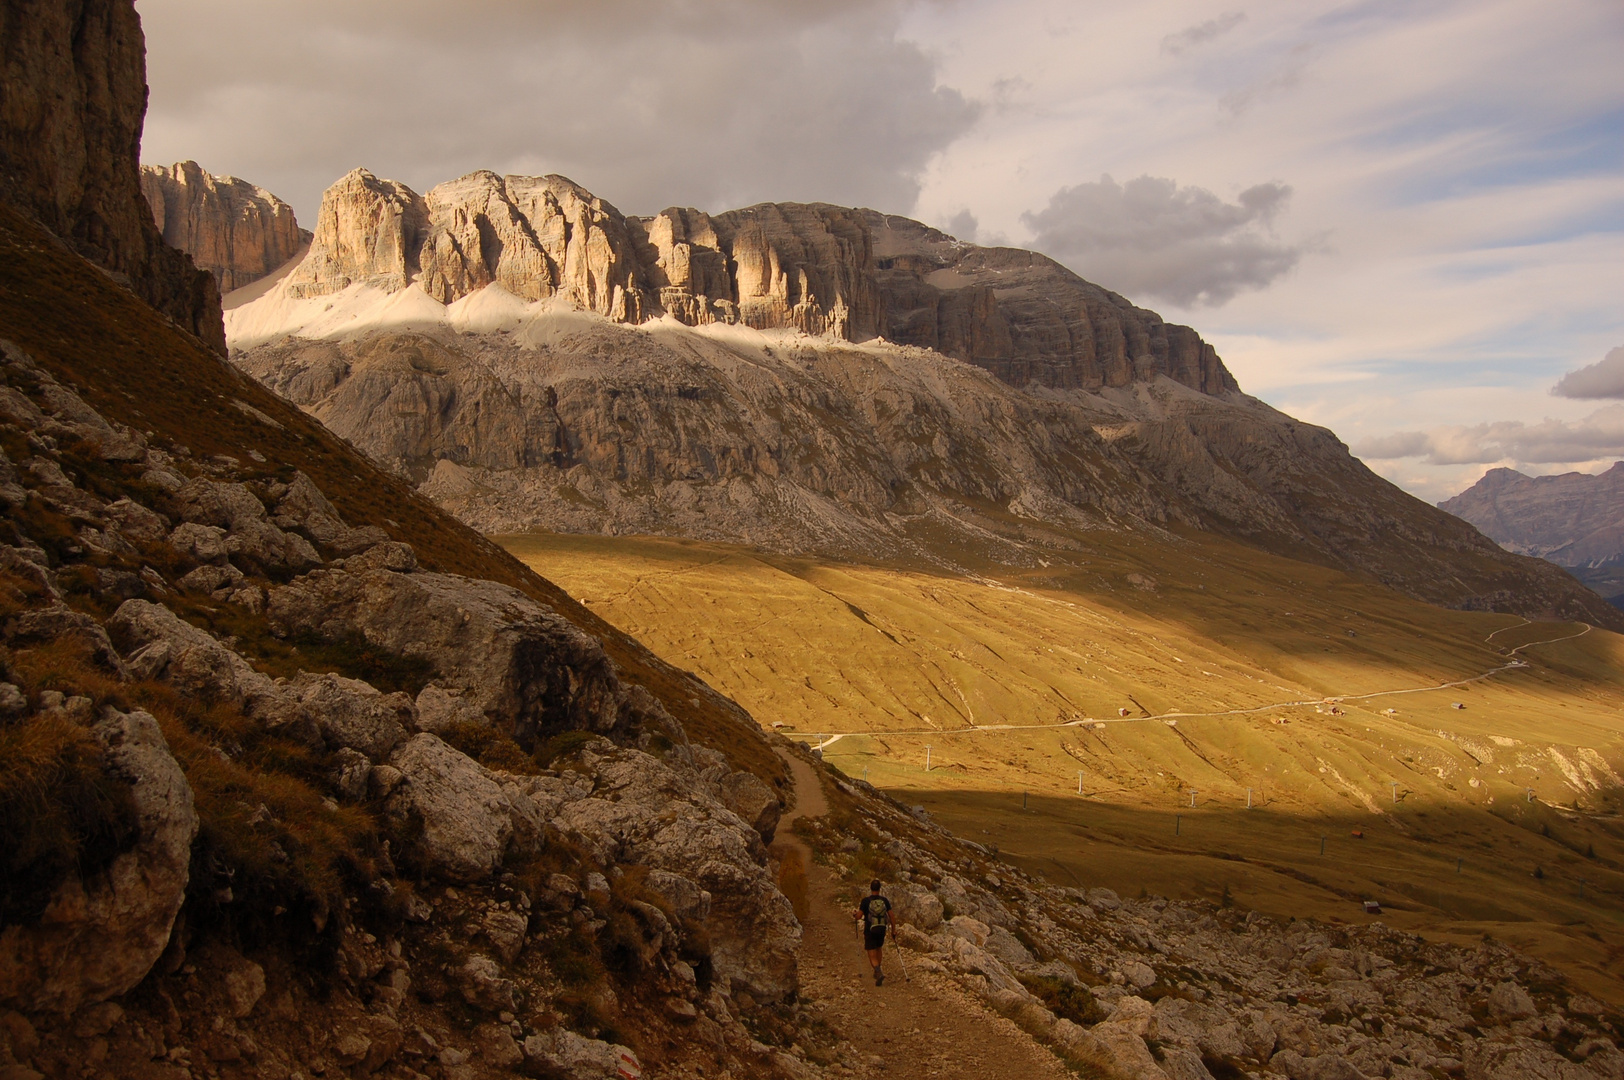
(1191, 720)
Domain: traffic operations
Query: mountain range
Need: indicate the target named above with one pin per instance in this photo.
(1575, 520)
(806, 378)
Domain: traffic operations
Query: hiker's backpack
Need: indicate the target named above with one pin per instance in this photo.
(877, 908)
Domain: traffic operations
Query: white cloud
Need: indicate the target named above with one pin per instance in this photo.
(1549, 442)
(1603, 379)
(1152, 237)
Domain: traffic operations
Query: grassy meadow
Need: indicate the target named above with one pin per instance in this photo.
(1106, 716)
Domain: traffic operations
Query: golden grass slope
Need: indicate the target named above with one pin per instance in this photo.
(1244, 676)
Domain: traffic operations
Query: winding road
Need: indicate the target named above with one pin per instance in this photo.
(1088, 721)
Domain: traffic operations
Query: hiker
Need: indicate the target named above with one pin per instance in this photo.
(874, 913)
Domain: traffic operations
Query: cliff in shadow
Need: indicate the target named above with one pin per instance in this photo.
(70, 138)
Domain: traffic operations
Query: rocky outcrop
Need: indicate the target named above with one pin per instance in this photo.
(654, 849)
(644, 813)
(851, 275)
(367, 231)
(100, 935)
(536, 237)
(463, 818)
(1026, 318)
(234, 230)
(70, 135)
(508, 657)
(810, 267)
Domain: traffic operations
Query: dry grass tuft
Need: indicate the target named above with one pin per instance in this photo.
(61, 812)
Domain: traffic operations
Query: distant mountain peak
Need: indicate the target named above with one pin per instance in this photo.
(1574, 519)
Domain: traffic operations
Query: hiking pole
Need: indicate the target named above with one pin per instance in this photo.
(901, 963)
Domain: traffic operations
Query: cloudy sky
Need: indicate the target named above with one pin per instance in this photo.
(1403, 219)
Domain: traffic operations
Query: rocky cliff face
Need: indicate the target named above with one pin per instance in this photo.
(874, 451)
(70, 136)
(234, 230)
(1574, 519)
(851, 275)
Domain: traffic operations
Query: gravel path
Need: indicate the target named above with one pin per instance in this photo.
(924, 1029)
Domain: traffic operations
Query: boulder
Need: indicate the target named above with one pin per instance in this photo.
(225, 506)
(1183, 1064)
(261, 546)
(438, 709)
(1139, 975)
(1520, 1059)
(965, 955)
(570, 1056)
(100, 936)
(1317, 1067)
(208, 578)
(915, 905)
(749, 797)
(497, 1047)
(200, 543)
(1114, 1051)
(59, 623)
(1508, 1001)
(964, 927)
(683, 896)
(350, 774)
(244, 985)
(159, 644)
(1008, 948)
(1196, 1026)
(1134, 1014)
(1103, 900)
(509, 655)
(483, 985)
(303, 508)
(462, 817)
(642, 811)
(505, 930)
(386, 555)
(249, 534)
(135, 522)
(352, 714)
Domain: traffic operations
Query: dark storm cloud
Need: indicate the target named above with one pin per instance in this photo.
(1151, 237)
(1603, 379)
(713, 103)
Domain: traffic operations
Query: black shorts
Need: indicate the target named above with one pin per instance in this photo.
(874, 938)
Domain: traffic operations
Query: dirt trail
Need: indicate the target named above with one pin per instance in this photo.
(925, 1029)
